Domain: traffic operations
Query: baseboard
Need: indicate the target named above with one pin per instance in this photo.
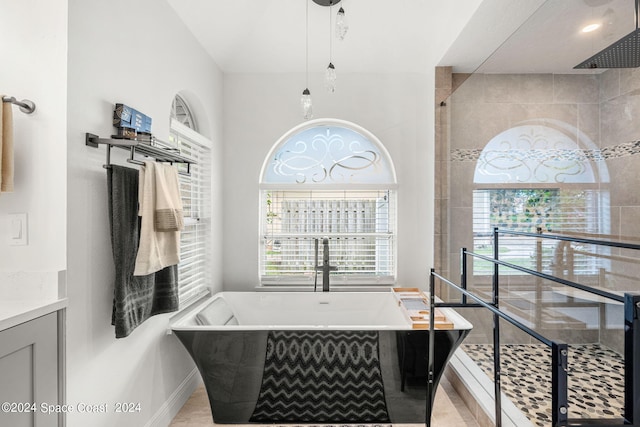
(176, 401)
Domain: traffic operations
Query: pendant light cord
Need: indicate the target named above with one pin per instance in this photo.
(307, 45)
(330, 26)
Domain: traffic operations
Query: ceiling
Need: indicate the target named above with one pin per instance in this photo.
(552, 41)
(536, 36)
(268, 36)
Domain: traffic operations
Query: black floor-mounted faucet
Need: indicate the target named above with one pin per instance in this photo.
(326, 267)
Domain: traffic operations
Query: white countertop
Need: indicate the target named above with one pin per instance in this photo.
(26, 295)
(14, 312)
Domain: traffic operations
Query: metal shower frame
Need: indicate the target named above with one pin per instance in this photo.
(559, 349)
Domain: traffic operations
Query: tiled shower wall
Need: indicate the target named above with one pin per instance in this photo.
(603, 108)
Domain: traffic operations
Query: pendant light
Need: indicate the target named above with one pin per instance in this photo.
(330, 73)
(342, 26)
(307, 107)
(305, 101)
(330, 77)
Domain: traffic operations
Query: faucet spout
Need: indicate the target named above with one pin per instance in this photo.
(326, 267)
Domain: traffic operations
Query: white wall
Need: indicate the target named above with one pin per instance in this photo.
(140, 54)
(33, 51)
(398, 108)
(259, 109)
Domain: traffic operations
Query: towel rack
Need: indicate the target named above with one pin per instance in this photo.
(25, 105)
(162, 154)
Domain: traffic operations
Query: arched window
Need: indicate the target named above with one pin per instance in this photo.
(328, 178)
(195, 190)
(539, 174)
(181, 112)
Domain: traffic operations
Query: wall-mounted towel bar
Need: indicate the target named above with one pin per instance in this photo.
(161, 154)
(25, 105)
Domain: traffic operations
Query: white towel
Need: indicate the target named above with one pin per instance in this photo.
(168, 207)
(6, 147)
(157, 249)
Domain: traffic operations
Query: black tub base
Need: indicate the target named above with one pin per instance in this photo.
(318, 376)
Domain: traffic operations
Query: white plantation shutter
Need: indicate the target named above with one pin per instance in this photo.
(554, 210)
(359, 224)
(195, 190)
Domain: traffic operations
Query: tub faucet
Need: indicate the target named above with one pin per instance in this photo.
(326, 267)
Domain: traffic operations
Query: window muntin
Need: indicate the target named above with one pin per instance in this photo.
(181, 112)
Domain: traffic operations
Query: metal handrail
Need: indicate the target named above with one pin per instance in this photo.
(482, 303)
(598, 242)
(559, 350)
(559, 353)
(566, 282)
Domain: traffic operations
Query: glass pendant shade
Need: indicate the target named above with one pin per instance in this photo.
(342, 26)
(307, 107)
(330, 78)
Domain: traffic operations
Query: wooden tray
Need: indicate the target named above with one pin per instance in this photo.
(415, 305)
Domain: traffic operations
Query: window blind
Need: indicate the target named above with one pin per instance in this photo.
(552, 209)
(359, 225)
(195, 189)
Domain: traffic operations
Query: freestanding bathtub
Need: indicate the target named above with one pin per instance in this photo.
(305, 357)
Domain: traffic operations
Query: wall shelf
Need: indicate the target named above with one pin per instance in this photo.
(159, 153)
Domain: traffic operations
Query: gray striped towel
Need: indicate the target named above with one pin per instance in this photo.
(135, 298)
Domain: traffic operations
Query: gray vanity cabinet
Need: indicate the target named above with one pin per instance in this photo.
(29, 373)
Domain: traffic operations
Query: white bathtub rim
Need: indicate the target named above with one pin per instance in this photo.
(187, 322)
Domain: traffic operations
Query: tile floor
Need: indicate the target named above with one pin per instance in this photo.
(449, 410)
(596, 379)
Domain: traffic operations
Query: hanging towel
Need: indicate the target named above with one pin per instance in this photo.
(158, 249)
(168, 209)
(6, 148)
(136, 298)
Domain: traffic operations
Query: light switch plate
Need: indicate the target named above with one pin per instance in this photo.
(18, 229)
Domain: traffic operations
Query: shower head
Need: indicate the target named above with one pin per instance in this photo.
(624, 53)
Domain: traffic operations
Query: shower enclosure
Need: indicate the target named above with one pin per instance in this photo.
(526, 142)
(581, 384)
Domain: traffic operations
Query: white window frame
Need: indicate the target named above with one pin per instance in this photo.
(310, 189)
(542, 155)
(194, 277)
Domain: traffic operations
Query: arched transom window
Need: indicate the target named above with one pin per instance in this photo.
(335, 179)
(329, 154)
(539, 174)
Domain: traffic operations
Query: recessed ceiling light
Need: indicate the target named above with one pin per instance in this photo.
(590, 27)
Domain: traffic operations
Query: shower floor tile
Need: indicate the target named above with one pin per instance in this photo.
(596, 379)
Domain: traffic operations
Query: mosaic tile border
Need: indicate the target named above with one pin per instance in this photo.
(617, 151)
(596, 379)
